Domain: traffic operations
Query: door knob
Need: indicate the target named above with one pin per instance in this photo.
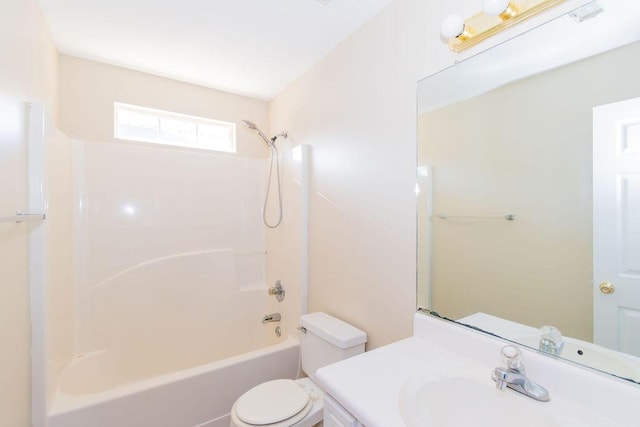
(607, 288)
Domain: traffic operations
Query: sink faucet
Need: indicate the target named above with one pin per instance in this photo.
(514, 377)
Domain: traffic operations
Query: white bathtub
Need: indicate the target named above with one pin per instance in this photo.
(95, 391)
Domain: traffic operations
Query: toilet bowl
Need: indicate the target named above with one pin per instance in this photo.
(280, 403)
(299, 403)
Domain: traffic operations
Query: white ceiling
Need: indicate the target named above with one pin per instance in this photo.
(250, 47)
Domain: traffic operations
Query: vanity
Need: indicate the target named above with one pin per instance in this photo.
(441, 376)
(523, 226)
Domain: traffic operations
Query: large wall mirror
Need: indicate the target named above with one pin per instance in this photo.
(529, 190)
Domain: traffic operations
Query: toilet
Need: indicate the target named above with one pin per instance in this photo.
(299, 403)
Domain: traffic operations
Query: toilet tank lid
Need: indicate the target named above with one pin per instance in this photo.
(335, 331)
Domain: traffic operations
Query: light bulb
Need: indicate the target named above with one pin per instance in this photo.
(494, 7)
(502, 8)
(452, 27)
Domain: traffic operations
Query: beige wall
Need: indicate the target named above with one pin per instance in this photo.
(356, 108)
(28, 73)
(88, 90)
(523, 148)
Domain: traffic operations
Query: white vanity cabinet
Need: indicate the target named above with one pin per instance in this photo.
(336, 416)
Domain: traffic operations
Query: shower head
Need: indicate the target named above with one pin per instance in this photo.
(252, 126)
(269, 141)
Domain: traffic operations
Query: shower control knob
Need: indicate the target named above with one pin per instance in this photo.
(277, 290)
(607, 288)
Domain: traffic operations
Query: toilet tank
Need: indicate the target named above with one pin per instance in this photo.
(328, 340)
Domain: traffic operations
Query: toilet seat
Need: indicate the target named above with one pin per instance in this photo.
(278, 403)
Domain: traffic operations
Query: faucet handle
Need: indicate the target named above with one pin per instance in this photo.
(500, 377)
(551, 340)
(512, 358)
(277, 290)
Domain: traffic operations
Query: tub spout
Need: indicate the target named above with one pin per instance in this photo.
(273, 317)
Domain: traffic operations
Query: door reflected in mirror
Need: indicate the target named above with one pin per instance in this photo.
(515, 229)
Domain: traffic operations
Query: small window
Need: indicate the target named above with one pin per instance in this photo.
(163, 127)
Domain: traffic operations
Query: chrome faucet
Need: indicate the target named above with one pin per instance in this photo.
(273, 317)
(514, 377)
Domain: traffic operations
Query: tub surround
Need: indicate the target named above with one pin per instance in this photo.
(370, 386)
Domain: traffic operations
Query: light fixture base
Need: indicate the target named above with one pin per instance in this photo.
(485, 26)
(510, 12)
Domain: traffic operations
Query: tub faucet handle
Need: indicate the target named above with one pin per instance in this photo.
(277, 290)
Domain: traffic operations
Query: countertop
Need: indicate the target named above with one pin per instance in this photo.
(369, 385)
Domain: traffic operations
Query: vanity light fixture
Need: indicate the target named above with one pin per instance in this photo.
(496, 15)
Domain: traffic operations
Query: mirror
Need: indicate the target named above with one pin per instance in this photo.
(506, 206)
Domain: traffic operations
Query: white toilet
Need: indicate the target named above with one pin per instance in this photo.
(299, 403)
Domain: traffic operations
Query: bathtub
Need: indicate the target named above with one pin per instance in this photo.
(98, 390)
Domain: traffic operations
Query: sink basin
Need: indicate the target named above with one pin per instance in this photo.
(591, 355)
(425, 402)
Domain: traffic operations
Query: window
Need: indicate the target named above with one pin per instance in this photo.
(163, 127)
